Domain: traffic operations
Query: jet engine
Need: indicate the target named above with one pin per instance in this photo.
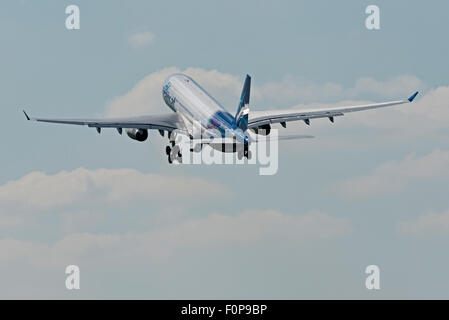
(264, 130)
(137, 134)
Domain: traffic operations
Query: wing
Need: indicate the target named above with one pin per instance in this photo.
(167, 122)
(260, 118)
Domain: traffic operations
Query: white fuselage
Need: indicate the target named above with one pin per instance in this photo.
(183, 95)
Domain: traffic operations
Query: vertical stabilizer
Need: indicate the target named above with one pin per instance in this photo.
(241, 117)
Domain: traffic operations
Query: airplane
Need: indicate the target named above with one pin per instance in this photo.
(204, 120)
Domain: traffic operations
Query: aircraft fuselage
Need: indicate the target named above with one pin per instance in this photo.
(184, 95)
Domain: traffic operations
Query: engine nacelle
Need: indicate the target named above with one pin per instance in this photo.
(137, 134)
(264, 130)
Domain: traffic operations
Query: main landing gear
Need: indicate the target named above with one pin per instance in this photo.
(244, 153)
(173, 153)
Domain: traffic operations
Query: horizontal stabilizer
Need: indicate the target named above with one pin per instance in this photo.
(281, 137)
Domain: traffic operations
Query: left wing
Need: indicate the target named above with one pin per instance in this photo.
(260, 118)
(168, 122)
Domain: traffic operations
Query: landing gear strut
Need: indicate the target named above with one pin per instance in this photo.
(173, 153)
(244, 153)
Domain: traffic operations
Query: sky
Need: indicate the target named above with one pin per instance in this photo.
(369, 189)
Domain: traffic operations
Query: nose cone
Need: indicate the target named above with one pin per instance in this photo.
(177, 77)
(168, 82)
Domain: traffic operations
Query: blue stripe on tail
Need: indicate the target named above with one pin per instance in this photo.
(241, 116)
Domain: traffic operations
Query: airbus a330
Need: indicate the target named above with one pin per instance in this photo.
(200, 117)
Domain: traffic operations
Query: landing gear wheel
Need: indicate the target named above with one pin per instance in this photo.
(176, 150)
(174, 154)
(248, 155)
(240, 155)
(167, 150)
(174, 157)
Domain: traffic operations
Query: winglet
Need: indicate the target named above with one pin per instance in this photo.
(413, 96)
(28, 118)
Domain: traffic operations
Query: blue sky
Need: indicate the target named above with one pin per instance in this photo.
(369, 189)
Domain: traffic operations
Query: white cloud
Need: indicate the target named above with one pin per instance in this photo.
(394, 176)
(430, 224)
(120, 245)
(427, 113)
(146, 96)
(422, 118)
(433, 107)
(140, 39)
(399, 87)
(251, 228)
(293, 90)
(106, 186)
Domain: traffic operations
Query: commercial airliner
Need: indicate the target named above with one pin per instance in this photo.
(201, 118)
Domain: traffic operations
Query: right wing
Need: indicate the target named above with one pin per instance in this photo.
(166, 122)
(260, 118)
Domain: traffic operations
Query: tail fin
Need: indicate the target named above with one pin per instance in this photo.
(241, 117)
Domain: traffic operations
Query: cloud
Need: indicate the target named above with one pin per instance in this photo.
(430, 224)
(397, 87)
(394, 176)
(128, 241)
(291, 90)
(428, 114)
(146, 96)
(74, 246)
(296, 90)
(38, 190)
(140, 39)
(433, 107)
(422, 118)
(249, 229)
